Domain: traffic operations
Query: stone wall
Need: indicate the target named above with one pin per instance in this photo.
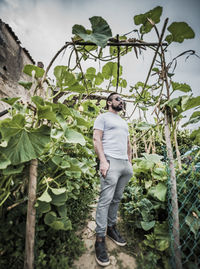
(13, 58)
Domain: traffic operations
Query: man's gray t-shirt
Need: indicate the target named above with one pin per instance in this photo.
(115, 134)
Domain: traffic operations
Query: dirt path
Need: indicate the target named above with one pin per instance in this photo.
(118, 258)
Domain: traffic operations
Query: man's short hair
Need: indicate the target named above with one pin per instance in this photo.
(109, 98)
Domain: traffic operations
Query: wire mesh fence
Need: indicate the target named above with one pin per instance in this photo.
(188, 194)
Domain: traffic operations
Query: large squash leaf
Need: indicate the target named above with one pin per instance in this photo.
(100, 33)
(27, 145)
(11, 127)
(179, 31)
(74, 137)
(153, 14)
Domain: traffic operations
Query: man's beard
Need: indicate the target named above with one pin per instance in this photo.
(118, 107)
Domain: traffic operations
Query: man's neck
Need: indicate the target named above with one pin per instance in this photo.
(112, 110)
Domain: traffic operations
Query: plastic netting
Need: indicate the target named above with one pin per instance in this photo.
(188, 196)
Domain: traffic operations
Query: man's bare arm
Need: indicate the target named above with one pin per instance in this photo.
(97, 140)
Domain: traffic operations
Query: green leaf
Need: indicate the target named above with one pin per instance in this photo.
(46, 112)
(42, 207)
(32, 69)
(57, 133)
(195, 114)
(76, 87)
(62, 109)
(191, 103)
(74, 137)
(61, 162)
(58, 191)
(11, 127)
(4, 161)
(194, 224)
(73, 174)
(159, 191)
(12, 170)
(195, 136)
(45, 197)
(59, 199)
(60, 72)
(50, 217)
(194, 118)
(38, 101)
(161, 232)
(155, 158)
(10, 101)
(174, 102)
(143, 166)
(145, 207)
(67, 224)
(179, 31)
(82, 122)
(67, 78)
(159, 173)
(110, 70)
(153, 14)
(147, 225)
(180, 87)
(100, 34)
(27, 145)
(62, 211)
(123, 83)
(26, 85)
(90, 73)
(57, 223)
(148, 184)
(99, 78)
(62, 224)
(143, 126)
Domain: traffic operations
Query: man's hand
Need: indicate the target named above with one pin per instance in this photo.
(104, 166)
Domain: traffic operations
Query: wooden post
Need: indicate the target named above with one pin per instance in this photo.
(31, 213)
(178, 155)
(174, 201)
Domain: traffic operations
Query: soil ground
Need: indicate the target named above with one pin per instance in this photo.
(119, 259)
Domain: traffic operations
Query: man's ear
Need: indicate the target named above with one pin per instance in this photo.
(109, 103)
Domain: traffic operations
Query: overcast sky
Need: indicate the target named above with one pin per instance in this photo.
(43, 26)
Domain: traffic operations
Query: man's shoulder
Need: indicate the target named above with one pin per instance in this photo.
(103, 115)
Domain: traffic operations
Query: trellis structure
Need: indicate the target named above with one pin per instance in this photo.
(167, 115)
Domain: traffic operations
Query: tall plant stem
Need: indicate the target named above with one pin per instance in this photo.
(31, 213)
(153, 61)
(80, 67)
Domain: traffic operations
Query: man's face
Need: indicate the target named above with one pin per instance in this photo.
(117, 103)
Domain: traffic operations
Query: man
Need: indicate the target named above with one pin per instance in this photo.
(113, 148)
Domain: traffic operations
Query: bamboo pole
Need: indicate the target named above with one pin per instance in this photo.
(174, 201)
(31, 213)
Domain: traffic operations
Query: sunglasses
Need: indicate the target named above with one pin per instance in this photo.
(119, 99)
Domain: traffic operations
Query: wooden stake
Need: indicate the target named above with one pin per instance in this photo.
(31, 213)
(178, 154)
(174, 201)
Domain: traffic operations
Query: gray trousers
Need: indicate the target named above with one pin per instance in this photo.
(112, 187)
